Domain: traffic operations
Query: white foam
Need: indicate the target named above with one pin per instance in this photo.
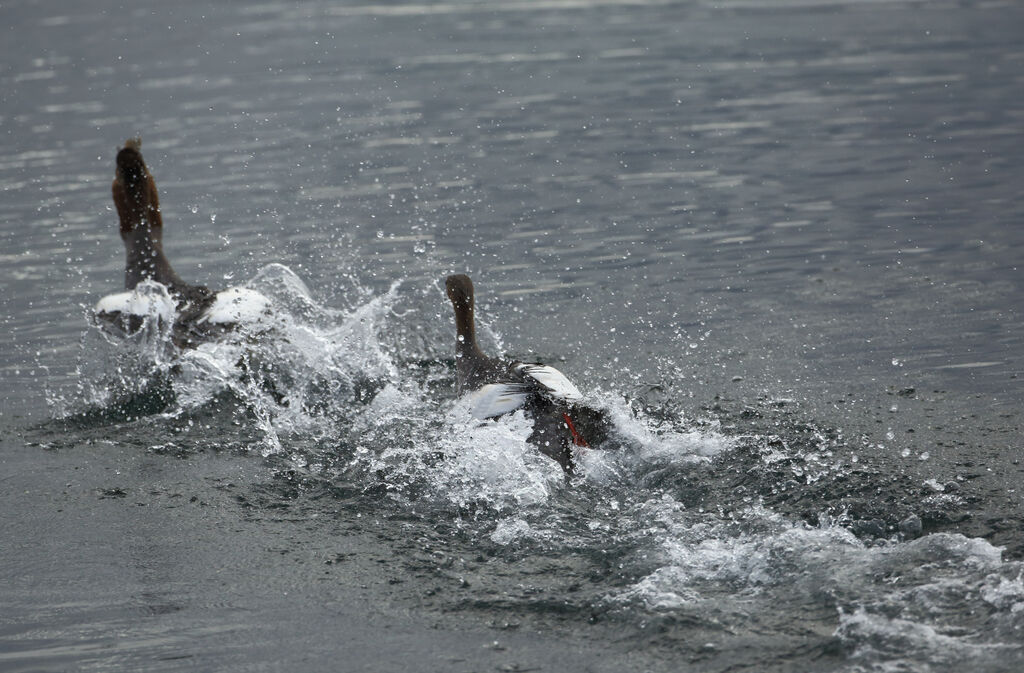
(511, 530)
(903, 644)
(311, 364)
(1005, 593)
(901, 606)
(492, 461)
(664, 443)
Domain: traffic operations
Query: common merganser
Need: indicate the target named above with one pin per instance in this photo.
(153, 289)
(498, 386)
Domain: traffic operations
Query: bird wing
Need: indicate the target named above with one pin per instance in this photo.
(496, 399)
(552, 382)
(236, 305)
(148, 299)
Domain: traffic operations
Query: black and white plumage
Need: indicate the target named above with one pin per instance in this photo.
(561, 422)
(495, 399)
(153, 290)
(150, 301)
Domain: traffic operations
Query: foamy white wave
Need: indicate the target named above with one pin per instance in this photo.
(313, 362)
(405, 436)
(763, 549)
(112, 363)
(747, 559)
(492, 461)
(511, 530)
(1004, 593)
(883, 643)
(599, 466)
(206, 371)
(408, 435)
(391, 403)
(903, 602)
(295, 362)
(663, 443)
(357, 336)
(287, 291)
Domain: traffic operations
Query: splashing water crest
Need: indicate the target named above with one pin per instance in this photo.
(327, 396)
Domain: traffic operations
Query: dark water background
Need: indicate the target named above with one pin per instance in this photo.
(780, 240)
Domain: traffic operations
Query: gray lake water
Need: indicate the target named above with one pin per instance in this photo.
(780, 242)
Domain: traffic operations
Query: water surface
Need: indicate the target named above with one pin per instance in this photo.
(780, 242)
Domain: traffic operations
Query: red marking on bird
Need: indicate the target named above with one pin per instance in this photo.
(577, 438)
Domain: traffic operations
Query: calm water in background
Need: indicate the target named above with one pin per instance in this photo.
(755, 221)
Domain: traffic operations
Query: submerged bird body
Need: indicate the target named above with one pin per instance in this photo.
(560, 420)
(194, 312)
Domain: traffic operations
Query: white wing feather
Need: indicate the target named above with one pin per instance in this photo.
(148, 300)
(236, 305)
(553, 381)
(496, 399)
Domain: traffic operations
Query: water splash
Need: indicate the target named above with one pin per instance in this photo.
(683, 523)
(291, 369)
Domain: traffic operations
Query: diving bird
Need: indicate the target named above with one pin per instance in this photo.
(562, 424)
(153, 290)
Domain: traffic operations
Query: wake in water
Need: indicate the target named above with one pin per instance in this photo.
(708, 542)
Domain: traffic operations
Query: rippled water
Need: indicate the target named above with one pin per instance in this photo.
(778, 242)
